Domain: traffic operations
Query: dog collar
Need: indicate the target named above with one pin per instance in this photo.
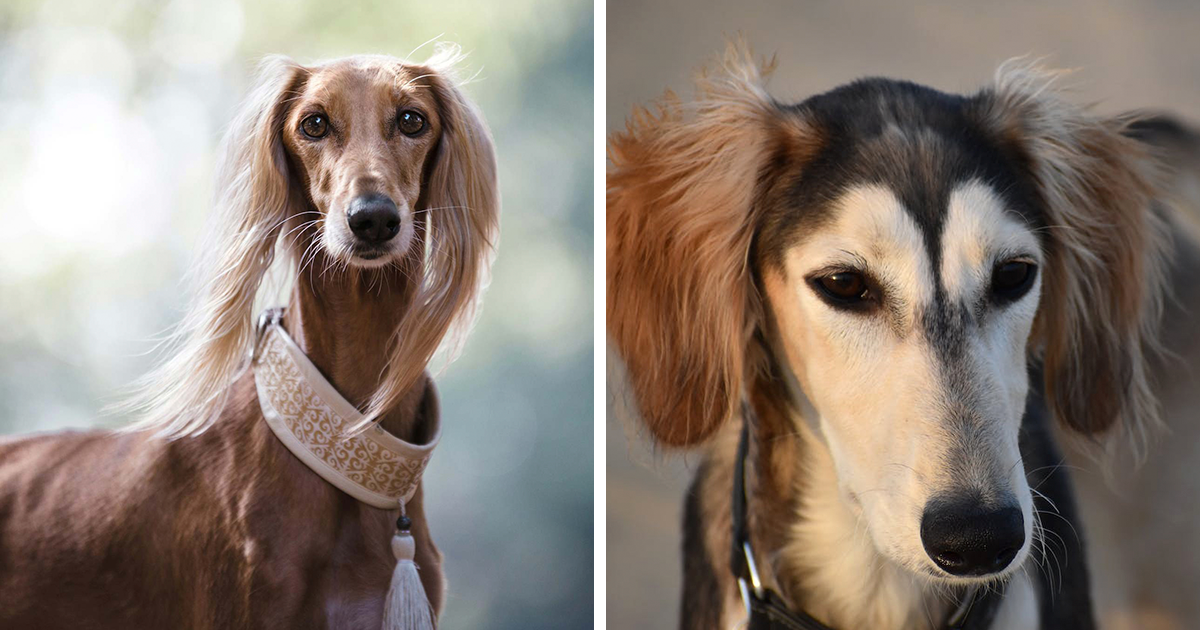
(766, 610)
(314, 422)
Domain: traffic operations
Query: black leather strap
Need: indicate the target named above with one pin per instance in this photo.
(768, 611)
(741, 530)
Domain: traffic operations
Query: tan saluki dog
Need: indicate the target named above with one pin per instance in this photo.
(377, 179)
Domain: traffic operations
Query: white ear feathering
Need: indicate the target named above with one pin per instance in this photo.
(185, 393)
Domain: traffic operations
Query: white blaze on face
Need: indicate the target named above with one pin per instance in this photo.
(978, 234)
(879, 387)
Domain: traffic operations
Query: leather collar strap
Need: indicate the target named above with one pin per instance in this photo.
(768, 611)
(313, 420)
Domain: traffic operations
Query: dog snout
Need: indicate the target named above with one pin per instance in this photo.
(965, 537)
(373, 218)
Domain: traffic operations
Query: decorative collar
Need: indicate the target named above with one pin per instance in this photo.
(766, 610)
(313, 421)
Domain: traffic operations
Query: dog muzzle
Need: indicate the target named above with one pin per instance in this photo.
(766, 610)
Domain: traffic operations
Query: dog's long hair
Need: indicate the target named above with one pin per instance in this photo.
(680, 298)
(682, 303)
(256, 196)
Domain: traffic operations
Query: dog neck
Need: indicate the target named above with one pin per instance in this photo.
(345, 320)
(819, 549)
(830, 568)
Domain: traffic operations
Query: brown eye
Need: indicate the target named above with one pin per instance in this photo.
(411, 122)
(1012, 279)
(314, 126)
(842, 287)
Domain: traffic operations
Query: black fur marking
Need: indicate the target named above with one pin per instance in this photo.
(701, 602)
(945, 325)
(916, 141)
(1061, 582)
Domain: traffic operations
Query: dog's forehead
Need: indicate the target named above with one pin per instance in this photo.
(870, 223)
(387, 78)
(920, 144)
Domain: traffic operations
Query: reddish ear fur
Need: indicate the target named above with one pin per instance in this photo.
(681, 186)
(1103, 282)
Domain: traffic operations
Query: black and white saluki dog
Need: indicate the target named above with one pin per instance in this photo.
(876, 312)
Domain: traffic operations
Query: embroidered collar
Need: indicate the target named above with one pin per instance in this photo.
(766, 610)
(313, 420)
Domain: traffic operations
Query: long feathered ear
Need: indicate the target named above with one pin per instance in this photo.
(681, 303)
(1106, 249)
(462, 217)
(184, 395)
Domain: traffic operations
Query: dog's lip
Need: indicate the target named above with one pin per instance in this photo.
(370, 256)
(975, 580)
(364, 251)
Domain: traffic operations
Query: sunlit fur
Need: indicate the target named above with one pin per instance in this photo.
(680, 301)
(706, 290)
(257, 195)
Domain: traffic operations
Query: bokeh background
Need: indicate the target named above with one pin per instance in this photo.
(109, 116)
(1129, 54)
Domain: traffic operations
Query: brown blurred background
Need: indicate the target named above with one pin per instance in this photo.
(1128, 55)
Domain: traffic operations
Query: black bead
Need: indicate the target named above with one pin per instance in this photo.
(403, 523)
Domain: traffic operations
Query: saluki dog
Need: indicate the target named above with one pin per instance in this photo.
(879, 312)
(376, 178)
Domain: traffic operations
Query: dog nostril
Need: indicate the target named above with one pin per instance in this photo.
(1006, 557)
(373, 218)
(949, 558)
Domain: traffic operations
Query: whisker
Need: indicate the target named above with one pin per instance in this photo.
(424, 44)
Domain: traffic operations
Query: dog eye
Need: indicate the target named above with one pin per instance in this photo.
(842, 287)
(314, 126)
(1012, 279)
(410, 122)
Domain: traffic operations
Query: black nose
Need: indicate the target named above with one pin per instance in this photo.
(965, 538)
(373, 218)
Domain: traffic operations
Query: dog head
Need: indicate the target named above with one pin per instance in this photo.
(901, 256)
(360, 133)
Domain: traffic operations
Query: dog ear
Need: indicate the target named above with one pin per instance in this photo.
(1103, 283)
(681, 186)
(461, 220)
(255, 196)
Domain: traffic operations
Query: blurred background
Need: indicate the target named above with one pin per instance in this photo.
(1128, 55)
(110, 113)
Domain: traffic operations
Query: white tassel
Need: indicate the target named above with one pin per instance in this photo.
(407, 606)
